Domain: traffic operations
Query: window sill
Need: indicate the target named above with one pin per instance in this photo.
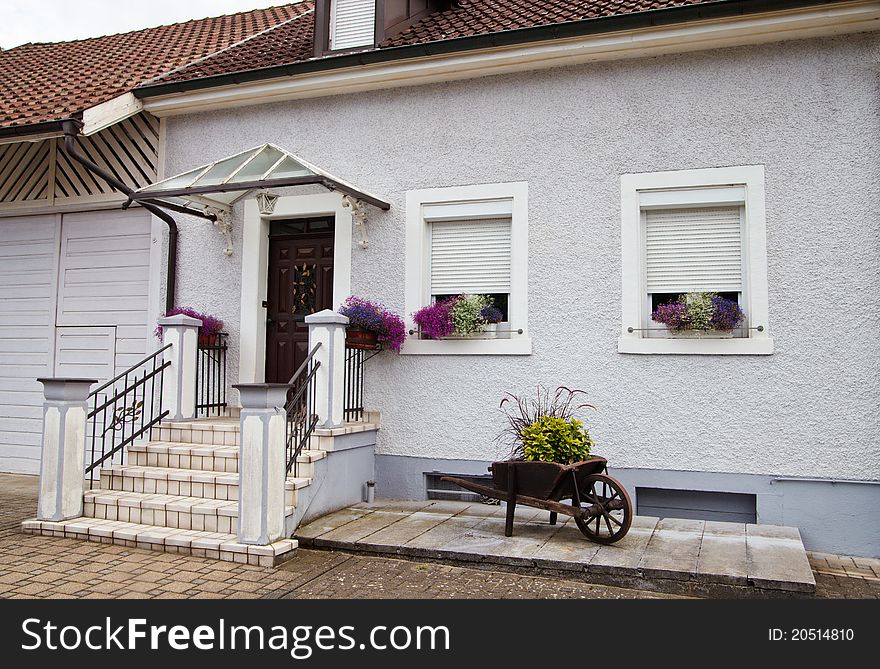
(516, 346)
(735, 346)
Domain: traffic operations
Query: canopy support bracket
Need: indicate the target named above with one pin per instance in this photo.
(359, 216)
(224, 226)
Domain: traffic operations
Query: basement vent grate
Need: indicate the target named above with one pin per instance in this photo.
(729, 507)
(437, 489)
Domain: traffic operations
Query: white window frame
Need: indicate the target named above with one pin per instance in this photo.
(730, 185)
(501, 199)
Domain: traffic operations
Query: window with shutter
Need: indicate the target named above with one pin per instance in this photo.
(352, 23)
(469, 240)
(694, 231)
(470, 256)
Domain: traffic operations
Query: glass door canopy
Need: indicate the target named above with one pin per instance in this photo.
(224, 182)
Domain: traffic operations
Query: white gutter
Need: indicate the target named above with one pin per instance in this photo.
(843, 18)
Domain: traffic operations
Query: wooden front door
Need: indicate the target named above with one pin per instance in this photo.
(300, 283)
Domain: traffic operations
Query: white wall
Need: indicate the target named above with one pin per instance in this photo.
(806, 110)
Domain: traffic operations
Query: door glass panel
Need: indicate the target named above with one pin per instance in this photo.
(305, 290)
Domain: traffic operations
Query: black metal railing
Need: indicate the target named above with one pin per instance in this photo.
(300, 408)
(353, 406)
(211, 375)
(124, 410)
(353, 398)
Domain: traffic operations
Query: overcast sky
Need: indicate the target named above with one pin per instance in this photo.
(61, 20)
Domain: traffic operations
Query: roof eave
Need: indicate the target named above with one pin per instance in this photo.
(651, 18)
(34, 131)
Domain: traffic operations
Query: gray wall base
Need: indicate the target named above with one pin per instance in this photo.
(832, 516)
(339, 479)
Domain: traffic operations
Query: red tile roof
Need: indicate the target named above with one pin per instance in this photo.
(47, 82)
(292, 42)
(478, 17)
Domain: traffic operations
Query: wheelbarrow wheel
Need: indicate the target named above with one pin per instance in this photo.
(611, 509)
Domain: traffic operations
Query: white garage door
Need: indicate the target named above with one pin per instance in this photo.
(105, 282)
(88, 274)
(28, 269)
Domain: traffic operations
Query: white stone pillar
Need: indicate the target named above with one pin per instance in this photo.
(262, 465)
(64, 448)
(179, 384)
(328, 328)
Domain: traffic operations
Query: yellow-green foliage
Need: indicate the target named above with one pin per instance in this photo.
(552, 439)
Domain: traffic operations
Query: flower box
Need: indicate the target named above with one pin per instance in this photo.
(490, 331)
(372, 326)
(701, 334)
(358, 338)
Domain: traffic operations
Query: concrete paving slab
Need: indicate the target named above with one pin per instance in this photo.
(407, 528)
(723, 554)
(673, 549)
(627, 553)
(569, 550)
(393, 505)
(684, 556)
(330, 522)
(433, 542)
(361, 527)
(777, 559)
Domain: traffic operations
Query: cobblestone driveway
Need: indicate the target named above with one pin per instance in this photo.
(34, 566)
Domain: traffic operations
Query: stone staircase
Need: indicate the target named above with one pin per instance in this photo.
(179, 494)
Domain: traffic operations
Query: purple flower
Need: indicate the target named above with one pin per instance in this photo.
(435, 320)
(727, 315)
(375, 317)
(211, 325)
(394, 333)
(491, 314)
(673, 315)
(363, 314)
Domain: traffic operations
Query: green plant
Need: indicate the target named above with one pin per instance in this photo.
(466, 315)
(552, 439)
(546, 426)
(700, 309)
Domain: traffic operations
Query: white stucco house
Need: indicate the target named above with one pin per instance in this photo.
(580, 161)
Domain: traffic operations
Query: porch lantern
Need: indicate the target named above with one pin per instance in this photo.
(266, 202)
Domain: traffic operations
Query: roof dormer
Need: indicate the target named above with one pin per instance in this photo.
(349, 25)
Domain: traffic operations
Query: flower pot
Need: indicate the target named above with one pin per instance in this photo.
(356, 338)
(207, 341)
(490, 331)
(702, 334)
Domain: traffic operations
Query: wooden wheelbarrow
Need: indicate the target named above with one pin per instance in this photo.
(598, 503)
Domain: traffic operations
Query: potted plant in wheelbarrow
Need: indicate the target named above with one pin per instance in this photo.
(550, 467)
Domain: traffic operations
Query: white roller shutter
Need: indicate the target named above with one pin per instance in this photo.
(352, 23)
(470, 256)
(693, 249)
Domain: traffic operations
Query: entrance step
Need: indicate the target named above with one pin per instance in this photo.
(179, 493)
(217, 545)
(174, 511)
(214, 431)
(182, 455)
(184, 482)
